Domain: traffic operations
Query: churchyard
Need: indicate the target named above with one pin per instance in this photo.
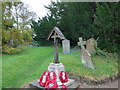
(73, 44)
(22, 68)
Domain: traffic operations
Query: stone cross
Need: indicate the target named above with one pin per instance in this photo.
(81, 43)
(85, 55)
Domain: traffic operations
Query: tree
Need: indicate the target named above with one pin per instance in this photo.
(78, 18)
(16, 14)
(106, 25)
(96, 20)
(12, 37)
(73, 19)
(25, 15)
(42, 29)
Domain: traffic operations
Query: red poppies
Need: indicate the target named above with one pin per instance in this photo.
(44, 78)
(48, 79)
(63, 77)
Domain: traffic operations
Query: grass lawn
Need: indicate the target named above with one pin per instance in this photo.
(19, 69)
(104, 66)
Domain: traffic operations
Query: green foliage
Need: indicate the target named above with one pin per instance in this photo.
(12, 37)
(106, 24)
(10, 50)
(42, 29)
(79, 20)
(100, 52)
(65, 16)
(106, 54)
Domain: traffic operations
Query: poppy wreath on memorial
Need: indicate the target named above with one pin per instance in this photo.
(63, 76)
(48, 79)
(47, 76)
(44, 78)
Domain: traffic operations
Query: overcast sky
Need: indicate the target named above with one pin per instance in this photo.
(38, 6)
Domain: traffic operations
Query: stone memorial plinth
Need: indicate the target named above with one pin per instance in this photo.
(57, 68)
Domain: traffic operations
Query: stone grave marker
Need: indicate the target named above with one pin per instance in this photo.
(91, 44)
(85, 55)
(66, 46)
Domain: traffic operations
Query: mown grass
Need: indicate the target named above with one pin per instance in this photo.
(104, 66)
(19, 69)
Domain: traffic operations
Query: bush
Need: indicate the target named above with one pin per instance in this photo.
(10, 50)
(13, 38)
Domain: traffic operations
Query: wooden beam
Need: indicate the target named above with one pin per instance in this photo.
(56, 51)
(50, 35)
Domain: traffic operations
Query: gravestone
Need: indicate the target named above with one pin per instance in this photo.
(85, 55)
(66, 46)
(91, 44)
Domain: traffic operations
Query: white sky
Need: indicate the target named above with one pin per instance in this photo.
(38, 6)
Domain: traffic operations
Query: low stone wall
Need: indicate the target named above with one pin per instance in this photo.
(93, 81)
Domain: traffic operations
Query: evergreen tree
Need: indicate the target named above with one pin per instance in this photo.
(42, 29)
(76, 19)
(106, 24)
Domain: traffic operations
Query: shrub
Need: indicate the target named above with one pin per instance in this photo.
(10, 50)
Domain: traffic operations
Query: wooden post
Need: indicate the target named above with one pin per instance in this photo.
(56, 51)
